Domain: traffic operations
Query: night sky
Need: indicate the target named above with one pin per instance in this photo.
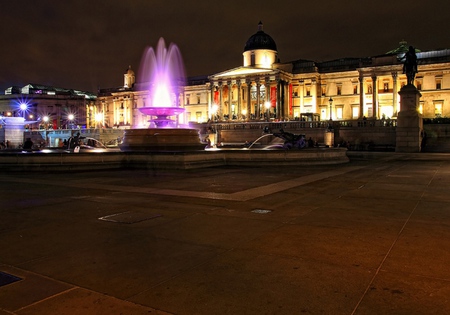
(88, 44)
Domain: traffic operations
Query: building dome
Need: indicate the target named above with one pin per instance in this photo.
(260, 40)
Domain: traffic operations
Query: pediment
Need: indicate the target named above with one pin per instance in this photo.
(242, 72)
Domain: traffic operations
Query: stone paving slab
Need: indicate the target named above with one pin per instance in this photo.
(367, 237)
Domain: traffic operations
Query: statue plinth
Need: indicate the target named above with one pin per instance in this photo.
(409, 121)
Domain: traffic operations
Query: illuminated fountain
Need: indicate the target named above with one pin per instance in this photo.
(161, 74)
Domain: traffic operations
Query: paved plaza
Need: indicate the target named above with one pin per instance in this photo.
(367, 237)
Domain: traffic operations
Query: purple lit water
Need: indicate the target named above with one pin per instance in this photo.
(162, 74)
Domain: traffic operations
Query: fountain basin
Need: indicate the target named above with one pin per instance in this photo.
(161, 139)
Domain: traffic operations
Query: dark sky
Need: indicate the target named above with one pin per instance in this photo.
(86, 44)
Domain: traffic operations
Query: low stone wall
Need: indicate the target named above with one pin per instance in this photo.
(67, 162)
(363, 137)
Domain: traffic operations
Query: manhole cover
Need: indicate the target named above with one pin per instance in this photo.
(261, 211)
(6, 278)
(129, 217)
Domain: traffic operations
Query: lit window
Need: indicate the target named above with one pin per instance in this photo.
(339, 112)
(355, 112)
(438, 109)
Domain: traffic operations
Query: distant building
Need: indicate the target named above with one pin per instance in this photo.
(50, 107)
(264, 87)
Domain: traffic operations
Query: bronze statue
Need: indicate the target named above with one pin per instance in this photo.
(410, 64)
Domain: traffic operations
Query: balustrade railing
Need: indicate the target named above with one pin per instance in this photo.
(297, 125)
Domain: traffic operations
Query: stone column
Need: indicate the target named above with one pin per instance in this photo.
(258, 100)
(220, 110)
(394, 93)
(267, 97)
(301, 86)
(238, 110)
(361, 96)
(211, 101)
(278, 107)
(249, 99)
(374, 97)
(230, 92)
(409, 121)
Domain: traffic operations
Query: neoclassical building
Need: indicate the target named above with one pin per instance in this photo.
(265, 88)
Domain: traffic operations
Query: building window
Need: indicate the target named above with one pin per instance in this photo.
(438, 109)
(198, 98)
(339, 89)
(187, 100)
(355, 89)
(324, 90)
(295, 93)
(339, 112)
(438, 84)
(385, 87)
(308, 90)
(369, 88)
(355, 112)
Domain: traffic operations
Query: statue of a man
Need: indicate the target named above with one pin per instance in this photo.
(410, 64)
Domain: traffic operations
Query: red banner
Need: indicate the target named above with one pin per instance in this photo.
(216, 97)
(273, 96)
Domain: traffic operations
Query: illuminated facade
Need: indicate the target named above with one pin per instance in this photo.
(358, 87)
(51, 107)
(265, 88)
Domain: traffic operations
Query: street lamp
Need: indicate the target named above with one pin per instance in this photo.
(70, 117)
(23, 108)
(331, 107)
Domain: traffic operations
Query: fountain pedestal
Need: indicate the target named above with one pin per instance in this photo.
(161, 139)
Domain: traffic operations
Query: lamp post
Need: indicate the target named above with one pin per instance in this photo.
(331, 107)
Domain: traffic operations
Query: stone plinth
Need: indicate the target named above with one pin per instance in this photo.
(409, 121)
(13, 131)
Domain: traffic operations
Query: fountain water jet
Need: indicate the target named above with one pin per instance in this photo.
(161, 74)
